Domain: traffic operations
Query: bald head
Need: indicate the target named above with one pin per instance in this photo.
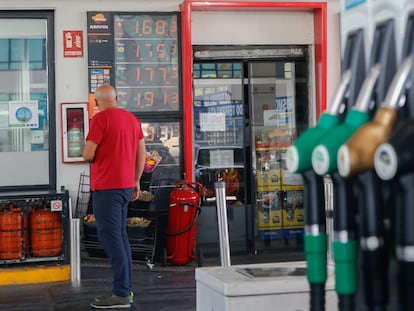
(105, 97)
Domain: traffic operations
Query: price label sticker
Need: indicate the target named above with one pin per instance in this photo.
(56, 206)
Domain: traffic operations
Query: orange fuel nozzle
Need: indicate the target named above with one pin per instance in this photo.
(357, 155)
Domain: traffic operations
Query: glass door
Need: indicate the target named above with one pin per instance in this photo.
(246, 114)
(276, 116)
(219, 149)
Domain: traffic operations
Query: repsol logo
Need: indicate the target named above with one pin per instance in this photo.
(99, 27)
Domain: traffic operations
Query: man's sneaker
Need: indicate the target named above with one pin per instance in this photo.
(111, 301)
(99, 298)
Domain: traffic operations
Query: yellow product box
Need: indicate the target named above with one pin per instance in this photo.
(269, 188)
(268, 178)
(293, 213)
(292, 187)
(268, 167)
(269, 210)
(293, 218)
(269, 200)
(290, 179)
(269, 219)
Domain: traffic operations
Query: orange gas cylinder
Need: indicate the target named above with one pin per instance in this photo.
(45, 232)
(13, 226)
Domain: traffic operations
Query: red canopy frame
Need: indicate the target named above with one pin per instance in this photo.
(188, 6)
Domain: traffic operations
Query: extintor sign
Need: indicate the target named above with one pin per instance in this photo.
(73, 43)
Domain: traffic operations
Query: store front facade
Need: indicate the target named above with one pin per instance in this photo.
(289, 37)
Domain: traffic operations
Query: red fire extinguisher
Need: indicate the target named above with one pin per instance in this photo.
(183, 213)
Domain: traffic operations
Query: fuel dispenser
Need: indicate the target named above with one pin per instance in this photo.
(324, 161)
(356, 158)
(393, 161)
(354, 182)
(299, 161)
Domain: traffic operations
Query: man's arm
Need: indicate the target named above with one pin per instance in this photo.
(141, 154)
(89, 150)
(139, 168)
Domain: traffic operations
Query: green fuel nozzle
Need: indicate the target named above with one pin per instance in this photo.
(298, 155)
(324, 155)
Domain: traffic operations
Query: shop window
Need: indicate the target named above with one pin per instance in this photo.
(15, 54)
(26, 111)
(217, 70)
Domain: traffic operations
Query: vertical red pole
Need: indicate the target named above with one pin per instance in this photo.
(320, 23)
(187, 89)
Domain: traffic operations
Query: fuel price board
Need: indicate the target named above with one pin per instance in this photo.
(146, 61)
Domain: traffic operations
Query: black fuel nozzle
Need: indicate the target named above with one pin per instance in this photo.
(395, 157)
(394, 161)
(315, 238)
(373, 246)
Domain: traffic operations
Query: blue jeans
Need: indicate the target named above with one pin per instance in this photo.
(110, 208)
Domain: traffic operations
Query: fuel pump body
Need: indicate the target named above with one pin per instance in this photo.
(355, 157)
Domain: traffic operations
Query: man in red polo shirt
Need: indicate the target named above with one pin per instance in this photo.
(115, 148)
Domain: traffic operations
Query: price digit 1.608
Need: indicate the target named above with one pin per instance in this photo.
(149, 26)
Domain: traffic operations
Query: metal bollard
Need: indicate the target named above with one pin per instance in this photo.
(75, 273)
(220, 187)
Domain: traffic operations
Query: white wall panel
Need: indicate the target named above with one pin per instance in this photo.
(252, 27)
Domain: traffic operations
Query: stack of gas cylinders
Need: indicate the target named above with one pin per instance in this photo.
(29, 231)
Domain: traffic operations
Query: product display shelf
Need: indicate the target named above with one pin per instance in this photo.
(142, 235)
(279, 194)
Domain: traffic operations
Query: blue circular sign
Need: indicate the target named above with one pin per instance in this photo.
(24, 114)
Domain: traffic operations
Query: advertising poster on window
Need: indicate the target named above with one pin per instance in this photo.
(24, 114)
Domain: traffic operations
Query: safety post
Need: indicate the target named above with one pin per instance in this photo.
(220, 187)
(75, 271)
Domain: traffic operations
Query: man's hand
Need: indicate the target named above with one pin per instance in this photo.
(135, 192)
